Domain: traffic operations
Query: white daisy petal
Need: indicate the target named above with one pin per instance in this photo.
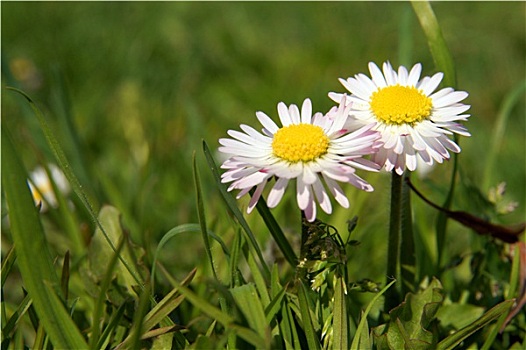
(283, 114)
(267, 122)
(432, 84)
(376, 74)
(306, 111)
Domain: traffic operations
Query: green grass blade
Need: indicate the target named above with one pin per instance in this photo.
(72, 179)
(7, 263)
(201, 214)
(276, 232)
(176, 231)
(250, 304)
(340, 319)
(435, 40)
(222, 317)
(499, 128)
(363, 321)
(456, 338)
(308, 327)
(232, 205)
(33, 257)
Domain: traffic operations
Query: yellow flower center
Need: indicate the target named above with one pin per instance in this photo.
(397, 104)
(300, 143)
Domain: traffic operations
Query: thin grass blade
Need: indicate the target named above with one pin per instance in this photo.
(232, 205)
(456, 338)
(308, 327)
(340, 319)
(33, 257)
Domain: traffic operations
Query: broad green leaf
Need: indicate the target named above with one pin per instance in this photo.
(456, 338)
(33, 257)
(100, 251)
(458, 315)
(409, 323)
(250, 304)
(101, 299)
(340, 322)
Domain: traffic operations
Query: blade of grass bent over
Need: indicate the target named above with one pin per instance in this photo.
(72, 179)
(33, 257)
(232, 205)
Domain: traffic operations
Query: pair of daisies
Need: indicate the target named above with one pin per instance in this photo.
(395, 117)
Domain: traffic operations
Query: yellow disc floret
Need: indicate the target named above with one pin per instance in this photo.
(300, 143)
(398, 104)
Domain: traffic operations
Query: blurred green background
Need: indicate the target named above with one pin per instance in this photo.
(132, 88)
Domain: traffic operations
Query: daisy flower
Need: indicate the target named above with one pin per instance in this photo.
(316, 150)
(412, 118)
(42, 188)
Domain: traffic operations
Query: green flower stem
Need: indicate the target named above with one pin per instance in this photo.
(407, 246)
(392, 295)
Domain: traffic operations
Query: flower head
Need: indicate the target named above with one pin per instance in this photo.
(42, 188)
(412, 118)
(316, 150)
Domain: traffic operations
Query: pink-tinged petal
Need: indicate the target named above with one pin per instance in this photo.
(294, 113)
(431, 84)
(414, 75)
(376, 74)
(310, 211)
(277, 191)
(336, 191)
(322, 196)
(360, 183)
(255, 197)
(251, 180)
(283, 113)
(364, 164)
(243, 192)
(267, 123)
(410, 160)
(450, 145)
(306, 111)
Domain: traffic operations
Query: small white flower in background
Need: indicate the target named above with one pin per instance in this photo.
(411, 118)
(42, 189)
(316, 150)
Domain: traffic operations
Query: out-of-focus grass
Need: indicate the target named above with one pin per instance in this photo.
(148, 81)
